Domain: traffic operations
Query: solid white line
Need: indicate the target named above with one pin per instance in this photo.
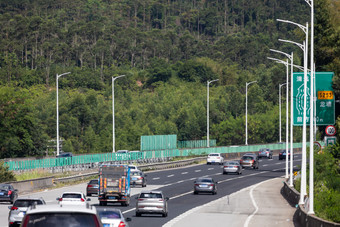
(156, 178)
(254, 203)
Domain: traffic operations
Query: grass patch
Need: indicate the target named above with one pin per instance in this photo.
(39, 174)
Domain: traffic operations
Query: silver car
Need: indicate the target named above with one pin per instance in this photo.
(205, 184)
(232, 167)
(138, 178)
(110, 217)
(265, 152)
(151, 202)
(19, 208)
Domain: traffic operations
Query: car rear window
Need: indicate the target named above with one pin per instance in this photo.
(61, 219)
(136, 174)
(204, 180)
(247, 158)
(4, 187)
(94, 182)
(75, 196)
(109, 214)
(151, 195)
(26, 203)
(231, 163)
(214, 155)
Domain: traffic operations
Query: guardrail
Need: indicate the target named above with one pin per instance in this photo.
(145, 157)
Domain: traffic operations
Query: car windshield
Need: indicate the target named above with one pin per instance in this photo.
(26, 203)
(61, 219)
(73, 195)
(204, 180)
(151, 195)
(214, 155)
(109, 214)
(247, 158)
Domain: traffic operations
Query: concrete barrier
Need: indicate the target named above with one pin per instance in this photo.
(301, 215)
(32, 185)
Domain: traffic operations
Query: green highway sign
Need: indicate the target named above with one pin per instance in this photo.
(330, 140)
(325, 103)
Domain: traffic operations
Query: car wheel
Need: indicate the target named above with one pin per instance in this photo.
(165, 214)
(138, 214)
(102, 203)
(195, 193)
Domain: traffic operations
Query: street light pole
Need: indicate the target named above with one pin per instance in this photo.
(312, 114)
(208, 83)
(247, 84)
(113, 112)
(303, 190)
(57, 77)
(280, 85)
(291, 58)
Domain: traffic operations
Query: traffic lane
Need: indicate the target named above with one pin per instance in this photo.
(184, 201)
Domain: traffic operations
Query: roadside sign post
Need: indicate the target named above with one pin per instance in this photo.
(330, 140)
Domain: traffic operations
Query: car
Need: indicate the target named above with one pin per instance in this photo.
(215, 158)
(232, 167)
(92, 187)
(138, 178)
(72, 198)
(110, 217)
(133, 168)
(282, 155)
(205, 184)
(19, 208)
(56, 215)
(65, 155)
(249, 160)
(265, 152)
(151, 202)
(8, 193)
(122, 151)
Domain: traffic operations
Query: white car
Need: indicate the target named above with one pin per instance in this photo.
(134, 168)
(215, 158)
(111, 217)
(72, 198)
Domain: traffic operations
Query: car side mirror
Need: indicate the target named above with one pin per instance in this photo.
(16, 190)
(9, 207)
(216, 182)
(128, 219)
(166, 198)
(145, 175)
(57, 198)
(136, 197)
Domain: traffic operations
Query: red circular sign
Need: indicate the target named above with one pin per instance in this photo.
(330, 130)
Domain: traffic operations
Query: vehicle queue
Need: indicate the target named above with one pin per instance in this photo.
(27, 211)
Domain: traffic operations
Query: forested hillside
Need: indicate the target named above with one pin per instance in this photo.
(168, 50)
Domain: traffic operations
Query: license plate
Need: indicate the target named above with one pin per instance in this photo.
(106, 225)
(1, 193)
(212, 161)
(203, 186)
(112, 197)
(230, 167)
(134, 178)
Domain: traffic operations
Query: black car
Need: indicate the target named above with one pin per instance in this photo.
(65, 155)
(8, 193)
(282, 154)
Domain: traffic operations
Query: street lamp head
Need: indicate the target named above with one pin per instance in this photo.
(63, 74)
(209, 82)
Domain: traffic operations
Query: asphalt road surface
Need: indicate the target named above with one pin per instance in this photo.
(177, 184)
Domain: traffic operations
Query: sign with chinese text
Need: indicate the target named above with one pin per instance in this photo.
(325, 103)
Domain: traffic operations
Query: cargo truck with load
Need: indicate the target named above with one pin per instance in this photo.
(114, 184)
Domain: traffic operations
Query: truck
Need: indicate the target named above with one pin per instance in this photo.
(114, 184)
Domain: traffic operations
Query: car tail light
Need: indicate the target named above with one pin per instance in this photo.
(140, 178)
(235, 166)
(218, 157)
(9, 192)
(14, 208)
(211, 184)
(121, 224)
(140, 199)
(225, 166)
(159, 206)
(83, 200)
(197, 185)
(61, 199)
(161, 200)
(90, 186)
(280, 153)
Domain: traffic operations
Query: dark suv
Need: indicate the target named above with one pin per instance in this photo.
(250, 160)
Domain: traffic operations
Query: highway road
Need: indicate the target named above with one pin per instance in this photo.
(177, 184)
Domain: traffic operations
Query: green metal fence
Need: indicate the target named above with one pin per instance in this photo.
(195, 143)
(158, 142)
(146, 155)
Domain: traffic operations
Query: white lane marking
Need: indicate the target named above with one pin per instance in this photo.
(254, 203)
(265, 165)
(211, 168)
(197, 170)
(171, 175)
(184, 173)
(156, 178)
(278, 163)
(277, 169)
(127, 211)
